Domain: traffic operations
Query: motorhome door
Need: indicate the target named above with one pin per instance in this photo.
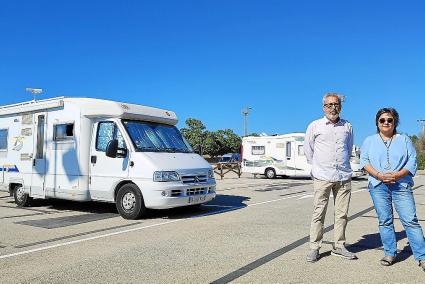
(290, 158)
(106, 172)
(39, 165)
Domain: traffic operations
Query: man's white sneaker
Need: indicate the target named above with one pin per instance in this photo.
(344, 253)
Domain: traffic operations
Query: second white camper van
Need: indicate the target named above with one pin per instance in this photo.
(281, 155)
(89, 149)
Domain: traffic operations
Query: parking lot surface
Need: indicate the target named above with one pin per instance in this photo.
(255, 231)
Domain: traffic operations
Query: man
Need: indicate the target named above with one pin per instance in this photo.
(327, 145)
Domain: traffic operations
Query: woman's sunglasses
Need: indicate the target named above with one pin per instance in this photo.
(388, 120)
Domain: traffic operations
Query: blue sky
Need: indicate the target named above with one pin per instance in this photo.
(210, 59)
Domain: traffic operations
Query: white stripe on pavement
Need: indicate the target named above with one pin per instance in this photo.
(229, 208)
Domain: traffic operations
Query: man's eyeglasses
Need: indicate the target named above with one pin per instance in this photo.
(389, 120)
(331, 105)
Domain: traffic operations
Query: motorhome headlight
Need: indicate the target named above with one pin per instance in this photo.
(166, 176)
(210, 174)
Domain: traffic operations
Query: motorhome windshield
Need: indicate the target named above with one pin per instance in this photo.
(156, 137)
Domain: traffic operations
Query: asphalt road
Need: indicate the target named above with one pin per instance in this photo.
(255, 231)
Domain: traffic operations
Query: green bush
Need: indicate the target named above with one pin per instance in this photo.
(419, 143)
(421, 161)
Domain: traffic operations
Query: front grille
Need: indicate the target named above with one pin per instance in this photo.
(196, 191)
(176, 192)
(194, 179)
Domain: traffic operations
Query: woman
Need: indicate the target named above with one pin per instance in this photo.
(390, 160)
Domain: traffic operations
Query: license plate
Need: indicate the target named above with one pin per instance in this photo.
(196, 199)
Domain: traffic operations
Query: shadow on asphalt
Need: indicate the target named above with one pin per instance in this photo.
(221, 204)
(373, 241)
(59, 204)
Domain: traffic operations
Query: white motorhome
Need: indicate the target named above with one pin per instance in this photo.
(90, 149)
(280, 155)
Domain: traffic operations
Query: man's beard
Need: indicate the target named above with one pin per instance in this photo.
(332, 117)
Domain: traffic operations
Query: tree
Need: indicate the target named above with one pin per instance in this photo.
(195, 132)
(420, 150)
(213, 143)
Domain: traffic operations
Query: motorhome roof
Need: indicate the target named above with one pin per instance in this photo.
(288, 135)
(96, 108)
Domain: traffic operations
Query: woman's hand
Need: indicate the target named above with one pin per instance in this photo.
(389, 177)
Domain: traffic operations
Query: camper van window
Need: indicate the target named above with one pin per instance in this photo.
(3, 139)
(288, 149)
(39, 154)
(107, 131)
(258, 150)
(156, 137)
(63, 131)
(301, 150)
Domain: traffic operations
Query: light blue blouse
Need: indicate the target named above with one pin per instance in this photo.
(402, 155)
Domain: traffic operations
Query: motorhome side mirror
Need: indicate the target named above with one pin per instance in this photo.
(112, 149)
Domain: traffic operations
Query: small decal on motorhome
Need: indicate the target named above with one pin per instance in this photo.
(9, 168)
(18, 143)
(26, 156)
(26, 132)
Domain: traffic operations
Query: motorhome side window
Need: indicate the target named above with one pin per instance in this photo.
(301, 150)
(3, 139)
(106, 131)
(258, 150)
(288, 149)
(63, 131)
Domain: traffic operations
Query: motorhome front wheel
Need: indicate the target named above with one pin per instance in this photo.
(130, 202)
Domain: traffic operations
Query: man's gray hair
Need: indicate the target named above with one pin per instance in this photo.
(340, 98)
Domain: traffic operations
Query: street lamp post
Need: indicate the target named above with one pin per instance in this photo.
(422, 122)
(34, 92)
(245, 113)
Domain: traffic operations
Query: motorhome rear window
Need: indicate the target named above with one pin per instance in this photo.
(258, 150)
(63, 131)
(3, 139)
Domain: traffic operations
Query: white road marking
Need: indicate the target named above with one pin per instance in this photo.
(229, 208)
(216, 205)
(274, 200)
(87, 239)
(311, 195)
(306, 196)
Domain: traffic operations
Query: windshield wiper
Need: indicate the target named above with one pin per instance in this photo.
(149, 148)
(171, 149)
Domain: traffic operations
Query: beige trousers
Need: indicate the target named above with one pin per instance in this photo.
(341, 192)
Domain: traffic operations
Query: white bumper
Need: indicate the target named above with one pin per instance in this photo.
(163, 195)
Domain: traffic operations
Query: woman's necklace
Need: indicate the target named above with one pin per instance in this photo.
(387, 145)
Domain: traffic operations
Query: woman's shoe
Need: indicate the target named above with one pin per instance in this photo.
(422, 264)
(389, 260)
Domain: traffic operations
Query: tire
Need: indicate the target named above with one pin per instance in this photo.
(129, 202)
(22, 199)
(270, 173)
